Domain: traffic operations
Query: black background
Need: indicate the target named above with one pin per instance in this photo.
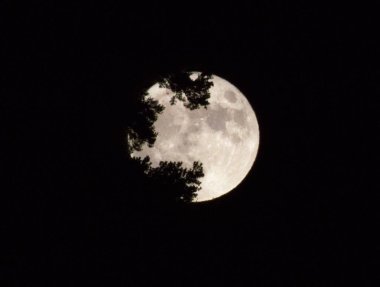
(76, 214)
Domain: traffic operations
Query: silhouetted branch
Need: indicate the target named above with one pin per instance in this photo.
(142, 130)
(175, 182)
(194, 93)
(179, 183)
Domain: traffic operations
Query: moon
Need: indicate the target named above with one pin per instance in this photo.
(224, 137)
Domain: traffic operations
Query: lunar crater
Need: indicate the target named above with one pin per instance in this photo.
(230, 96)
(240, 117)
(216, 118)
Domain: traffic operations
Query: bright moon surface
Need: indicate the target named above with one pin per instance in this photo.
(224, 137)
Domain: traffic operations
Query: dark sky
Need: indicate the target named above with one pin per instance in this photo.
(76, 214)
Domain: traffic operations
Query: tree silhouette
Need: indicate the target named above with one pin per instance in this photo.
(194, 93)
(177, 183)
(141, 130)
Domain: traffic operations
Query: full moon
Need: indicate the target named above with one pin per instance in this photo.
(224, 137)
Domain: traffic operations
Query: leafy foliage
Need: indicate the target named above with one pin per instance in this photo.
(142, 130)
(171, 180)
(178, 183)
(194, 93)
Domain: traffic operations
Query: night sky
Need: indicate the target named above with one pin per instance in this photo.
(77, 215)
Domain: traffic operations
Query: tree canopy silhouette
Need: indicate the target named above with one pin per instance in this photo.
(194, 93)
(141, 130)
(177, 183)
